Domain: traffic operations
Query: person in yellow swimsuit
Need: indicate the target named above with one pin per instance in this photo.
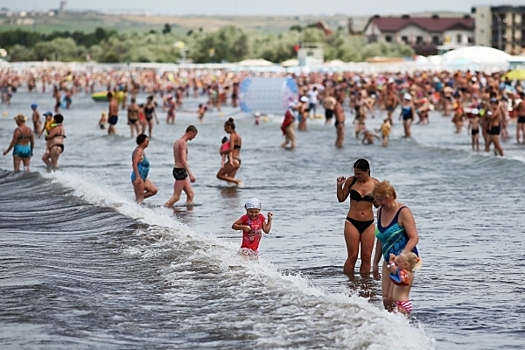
(385, 131)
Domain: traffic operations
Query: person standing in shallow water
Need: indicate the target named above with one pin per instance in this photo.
(339, 120)
(143, 187)
(112, 113)
(55, 143)
(35, 116)
(228, 172)
(359, 223)
(22, 144)
(181, 171)
(396, 234)
(288, 127)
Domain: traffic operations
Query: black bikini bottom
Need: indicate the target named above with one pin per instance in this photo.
(361, 226)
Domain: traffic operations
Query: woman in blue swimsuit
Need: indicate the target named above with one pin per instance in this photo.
(143, 187)
(22, 144)
(408, 113)
(396, 233)
(359, 223)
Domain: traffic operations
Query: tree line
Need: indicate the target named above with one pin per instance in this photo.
(228, 44)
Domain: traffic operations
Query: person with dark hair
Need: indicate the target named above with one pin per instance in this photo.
(359, 224)
(225, 145)
(181, 171)
(171, 104)
(143, 187)
(149, 113)
(228, 172)
(339, 124)
(133, 117)
(201, 112)
(494, 117)
(112, 113)
(55, 143)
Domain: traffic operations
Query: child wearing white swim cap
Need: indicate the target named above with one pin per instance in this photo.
(253, 223)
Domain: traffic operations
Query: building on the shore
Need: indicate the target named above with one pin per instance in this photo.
(500, 27)
(426, 35)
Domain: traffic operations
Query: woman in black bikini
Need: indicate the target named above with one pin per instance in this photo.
(55, 143)
(228, 172)
(149, 113)
(359, 224)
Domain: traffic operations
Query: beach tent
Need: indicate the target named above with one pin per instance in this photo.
(290, 63)
(335, 63)
(476, 54)
(255, 63)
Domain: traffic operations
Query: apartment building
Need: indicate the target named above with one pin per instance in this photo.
(501, 27)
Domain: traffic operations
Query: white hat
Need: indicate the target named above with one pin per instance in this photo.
(253, 203)
(304, 99)
(291, 104)
(407, 96)
(257, 114)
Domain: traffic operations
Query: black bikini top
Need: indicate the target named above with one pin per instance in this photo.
(356, 196)
(237, 147)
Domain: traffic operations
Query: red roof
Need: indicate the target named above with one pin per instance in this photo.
(440, 24)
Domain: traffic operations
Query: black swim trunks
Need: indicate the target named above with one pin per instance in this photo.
(474, 131)
(521, 119)
(495, 130)
(113, 119)
(180, 174)
(328, 114)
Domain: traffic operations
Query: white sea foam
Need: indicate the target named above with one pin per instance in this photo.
(344, 321)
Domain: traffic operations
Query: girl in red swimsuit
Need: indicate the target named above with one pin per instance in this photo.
(253, 224)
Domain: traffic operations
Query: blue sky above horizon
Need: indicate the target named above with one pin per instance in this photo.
(258, 7)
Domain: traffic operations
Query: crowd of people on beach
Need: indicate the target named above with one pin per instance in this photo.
(485, 103)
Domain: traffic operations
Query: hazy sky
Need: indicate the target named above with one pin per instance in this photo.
(261, 7)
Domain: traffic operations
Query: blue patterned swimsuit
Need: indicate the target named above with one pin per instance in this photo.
(143, 167)
(393, 237)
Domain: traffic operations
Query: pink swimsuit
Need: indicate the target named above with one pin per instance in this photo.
(250, 240)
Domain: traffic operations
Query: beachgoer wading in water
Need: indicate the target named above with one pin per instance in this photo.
(228, 172)
(55, 143)
(143, 187)
(22, 144)
(181, 171)
(359, 224)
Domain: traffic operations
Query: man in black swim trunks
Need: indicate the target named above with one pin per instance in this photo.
(112, 113)
(181, 172)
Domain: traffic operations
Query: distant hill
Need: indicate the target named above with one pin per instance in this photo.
(88, 21)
